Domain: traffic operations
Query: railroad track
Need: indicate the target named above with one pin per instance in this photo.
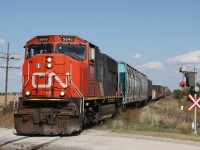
(28, 143)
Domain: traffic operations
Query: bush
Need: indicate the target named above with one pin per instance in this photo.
(178, 94)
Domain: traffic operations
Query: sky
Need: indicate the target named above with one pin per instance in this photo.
(156, 37)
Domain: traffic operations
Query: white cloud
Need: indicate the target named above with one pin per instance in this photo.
(2, 41)
(137, 56)
(153, 65)
(189, 58)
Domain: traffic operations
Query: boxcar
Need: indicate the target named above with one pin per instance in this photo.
(158, 92)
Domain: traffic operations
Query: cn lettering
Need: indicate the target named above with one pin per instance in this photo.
(49, 80)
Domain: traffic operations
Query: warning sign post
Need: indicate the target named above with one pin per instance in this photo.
(194, 105)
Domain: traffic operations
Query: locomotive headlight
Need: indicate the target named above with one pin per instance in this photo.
(49, 59)
(28, 93)
(49, 65)
(62, 94)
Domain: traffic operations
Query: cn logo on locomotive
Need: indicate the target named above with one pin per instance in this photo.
(49, 80)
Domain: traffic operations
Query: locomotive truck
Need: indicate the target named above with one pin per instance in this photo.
(68, 83)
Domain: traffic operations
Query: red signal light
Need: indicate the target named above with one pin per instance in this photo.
(182, 84)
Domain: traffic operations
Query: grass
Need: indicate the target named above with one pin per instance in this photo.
(163, 118)
(7, 120)
(9, 99)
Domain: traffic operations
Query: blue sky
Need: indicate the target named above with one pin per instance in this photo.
(154, 36)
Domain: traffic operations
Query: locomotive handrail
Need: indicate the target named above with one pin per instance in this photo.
(28, 75)
(79, 93)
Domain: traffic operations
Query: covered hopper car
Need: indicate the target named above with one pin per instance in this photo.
(134, 85)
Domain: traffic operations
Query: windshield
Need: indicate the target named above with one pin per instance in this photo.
(74, 51)
(32, 50)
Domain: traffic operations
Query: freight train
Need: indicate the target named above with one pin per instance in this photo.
(67, 83)
(159, 91)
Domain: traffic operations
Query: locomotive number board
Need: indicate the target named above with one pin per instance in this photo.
(68, 39)
(43, 39)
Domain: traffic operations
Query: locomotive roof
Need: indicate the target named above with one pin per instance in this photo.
(62, 35)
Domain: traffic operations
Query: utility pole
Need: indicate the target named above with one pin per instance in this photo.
(7, 57)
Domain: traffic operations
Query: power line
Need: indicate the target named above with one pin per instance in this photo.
(8, 56)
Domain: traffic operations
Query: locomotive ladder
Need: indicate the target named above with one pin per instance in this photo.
(80, 94)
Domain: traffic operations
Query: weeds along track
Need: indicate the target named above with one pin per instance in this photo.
(28, 143)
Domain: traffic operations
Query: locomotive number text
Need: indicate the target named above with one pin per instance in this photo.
(68, 39)
(43, 39)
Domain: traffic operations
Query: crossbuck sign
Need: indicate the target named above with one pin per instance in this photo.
(195, 102)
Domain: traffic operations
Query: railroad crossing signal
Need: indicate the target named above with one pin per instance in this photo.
(191, 81)
(195, 102)
(190, 78)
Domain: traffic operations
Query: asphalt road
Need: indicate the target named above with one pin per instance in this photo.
(98, 140)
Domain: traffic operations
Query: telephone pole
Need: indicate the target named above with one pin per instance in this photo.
(8, 56)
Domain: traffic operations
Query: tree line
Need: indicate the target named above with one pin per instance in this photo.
(12, 93)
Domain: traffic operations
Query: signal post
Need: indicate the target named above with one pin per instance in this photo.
(191, 81)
